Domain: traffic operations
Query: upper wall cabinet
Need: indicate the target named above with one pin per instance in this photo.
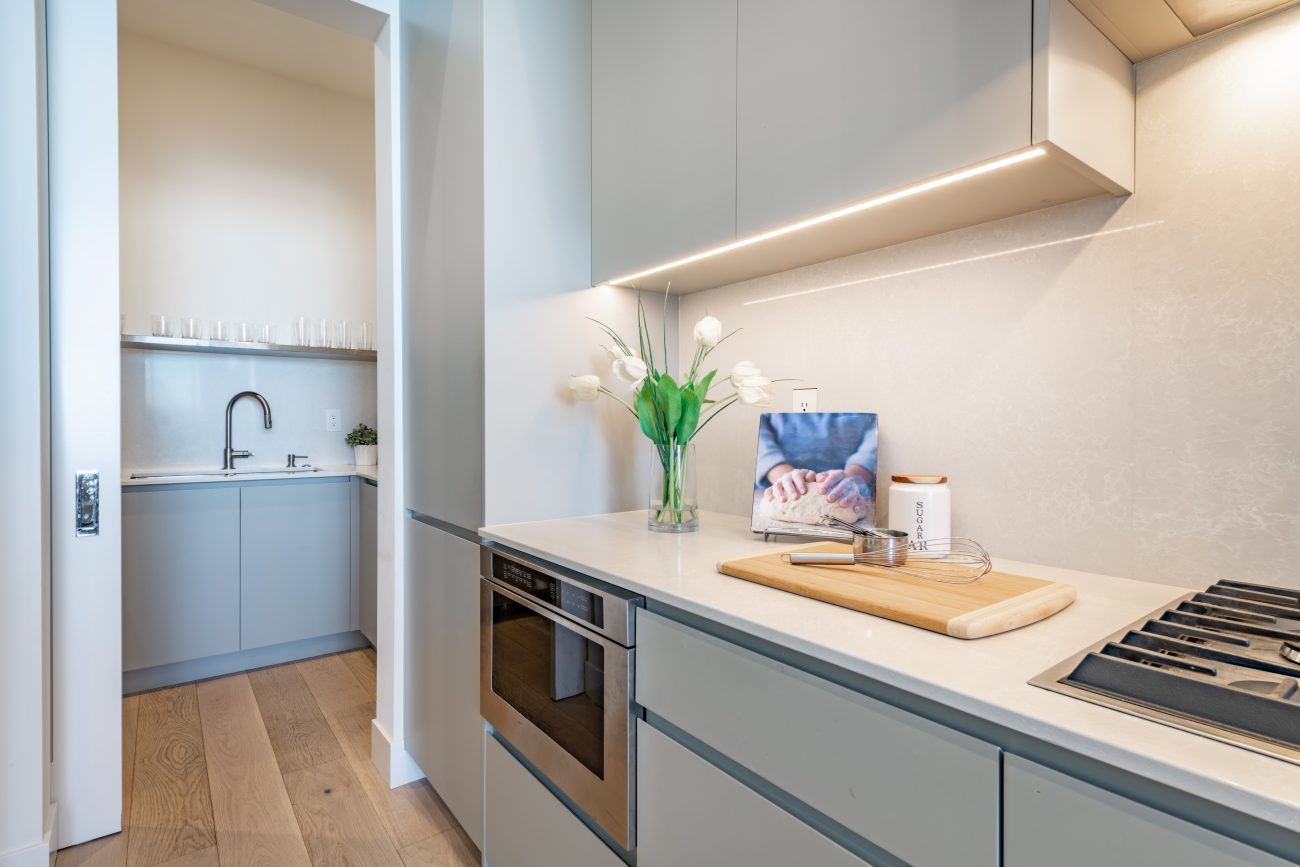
(829, 127)
(663, 137)
(838, 99)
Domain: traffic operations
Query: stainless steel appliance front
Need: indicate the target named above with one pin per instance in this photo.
(556, 664)
(1224, 663)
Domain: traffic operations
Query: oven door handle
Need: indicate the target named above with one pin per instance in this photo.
(548, 612)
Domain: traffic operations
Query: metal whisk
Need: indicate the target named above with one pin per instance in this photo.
(946, 561)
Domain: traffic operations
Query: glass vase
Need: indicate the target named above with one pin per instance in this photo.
(674, 507)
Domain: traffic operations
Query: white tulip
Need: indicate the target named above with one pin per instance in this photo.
(755, 391)
(744, 370)
(613, 352)
(708, 331)
(630, 369)
(585, 387)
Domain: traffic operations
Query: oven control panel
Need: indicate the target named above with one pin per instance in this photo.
(580, 604)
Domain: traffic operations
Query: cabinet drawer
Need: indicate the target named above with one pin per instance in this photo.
(527, 826)
(1055, 819)
(925, 793)
(689, 812)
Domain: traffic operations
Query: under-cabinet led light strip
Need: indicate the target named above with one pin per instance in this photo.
(905, 192)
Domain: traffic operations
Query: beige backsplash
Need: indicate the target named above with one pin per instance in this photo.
(1112, 385)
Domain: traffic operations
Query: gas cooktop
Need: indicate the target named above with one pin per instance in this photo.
(1222, 663)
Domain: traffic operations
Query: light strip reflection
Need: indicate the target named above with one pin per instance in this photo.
(953, 263)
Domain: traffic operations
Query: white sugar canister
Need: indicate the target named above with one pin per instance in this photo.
(921, 507)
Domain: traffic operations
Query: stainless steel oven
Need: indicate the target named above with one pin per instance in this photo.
(556, 665)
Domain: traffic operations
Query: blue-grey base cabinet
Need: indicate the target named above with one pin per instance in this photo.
(690, 812)
(1051, 818)
(180, 575)
(295, 561)
(527, 826)
(877, 774)
(223, 576)
(368, 559)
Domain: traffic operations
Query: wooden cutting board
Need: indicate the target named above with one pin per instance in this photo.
(998, 602)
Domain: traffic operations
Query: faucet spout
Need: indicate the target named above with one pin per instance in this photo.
(229, 455)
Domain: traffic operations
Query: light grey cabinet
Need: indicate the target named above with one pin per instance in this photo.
(878, 771)
(367, 559)
(180, 574)
(295, 561)
(834, 103)
(689, 812)
(1051, 818)
(663, 112)
(444, 731)
(838, 100)
(527, 826)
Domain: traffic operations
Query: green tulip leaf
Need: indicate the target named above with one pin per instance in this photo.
(646, 413)
(691, 404)
(669, 396)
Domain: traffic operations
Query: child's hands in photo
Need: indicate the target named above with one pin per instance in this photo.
(791, 485)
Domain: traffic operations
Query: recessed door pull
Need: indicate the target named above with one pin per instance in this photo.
(87, 518)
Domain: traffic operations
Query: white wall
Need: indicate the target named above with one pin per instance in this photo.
(174, 408)
(245, 195)
(1111, 385)
(24, 502)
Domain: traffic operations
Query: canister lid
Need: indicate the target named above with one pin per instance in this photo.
(916, 479)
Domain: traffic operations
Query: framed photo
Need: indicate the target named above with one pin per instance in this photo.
(814, 464)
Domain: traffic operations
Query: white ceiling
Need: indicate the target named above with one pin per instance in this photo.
(248, 32)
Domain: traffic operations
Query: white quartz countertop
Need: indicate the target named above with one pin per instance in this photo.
(986, 678)
(191, 475)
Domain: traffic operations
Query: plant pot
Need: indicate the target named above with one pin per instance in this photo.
(365, 456)
(674, 507)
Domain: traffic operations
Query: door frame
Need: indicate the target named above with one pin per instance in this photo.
(379, 22)
(85, 400)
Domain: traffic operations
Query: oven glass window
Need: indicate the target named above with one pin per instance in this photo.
(552, 675)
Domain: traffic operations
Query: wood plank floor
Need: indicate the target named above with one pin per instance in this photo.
(268, 768)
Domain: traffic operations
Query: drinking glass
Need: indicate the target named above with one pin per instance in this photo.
(161, 325)
(302, 331)
(362, 336)
(244, 332)
(121, 323)
(189, 327)
(219, 330)
(340, 334)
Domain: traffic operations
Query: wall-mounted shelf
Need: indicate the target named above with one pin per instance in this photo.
(219, 347)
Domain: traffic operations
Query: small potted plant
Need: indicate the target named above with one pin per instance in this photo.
(365, 449)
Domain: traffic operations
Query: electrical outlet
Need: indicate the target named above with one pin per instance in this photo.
(332, 417)
(805, 400)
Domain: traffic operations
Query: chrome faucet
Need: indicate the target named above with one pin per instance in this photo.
(230, 454)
